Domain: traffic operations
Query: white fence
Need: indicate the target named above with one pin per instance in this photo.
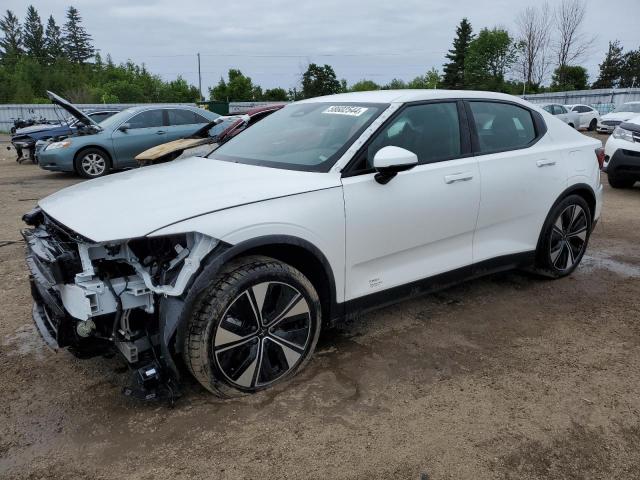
(603, 100)
(9, 112)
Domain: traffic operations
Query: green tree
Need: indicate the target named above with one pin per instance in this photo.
(275, 95)
(54, 46)
(238, 88)
(454, 70)
(33, 35)
(395, 84)
(11, 42)
(364, 86)
(630, 76)
(611, 67)
(77, 41)
(491, 54)
(569, 77)
(317, 81)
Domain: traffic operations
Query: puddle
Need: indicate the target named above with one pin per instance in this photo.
(603, 261)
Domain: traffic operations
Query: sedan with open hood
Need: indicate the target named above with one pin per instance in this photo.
(113, 144)
(329, 207)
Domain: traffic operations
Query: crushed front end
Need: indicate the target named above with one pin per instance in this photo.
(93, 298)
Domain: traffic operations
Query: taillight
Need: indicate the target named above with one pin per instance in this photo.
(600, 156)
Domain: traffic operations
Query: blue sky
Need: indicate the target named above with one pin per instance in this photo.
(273, 41)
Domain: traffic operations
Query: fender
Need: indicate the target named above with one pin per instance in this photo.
(174, 311)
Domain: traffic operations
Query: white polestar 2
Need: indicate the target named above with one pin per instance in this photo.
(234, 261)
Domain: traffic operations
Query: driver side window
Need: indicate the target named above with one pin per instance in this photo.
(431, 131)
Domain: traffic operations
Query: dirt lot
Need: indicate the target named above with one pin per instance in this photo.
(508, 377)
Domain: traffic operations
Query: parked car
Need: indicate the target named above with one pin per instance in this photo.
(560, 111)
(621, 113)
(27, 137)
(622, 154)
(588, 116)
(19, 123)
(211, 136)
(113, 144)
(326, 208)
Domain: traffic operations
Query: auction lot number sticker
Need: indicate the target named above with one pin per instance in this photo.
(345, 110)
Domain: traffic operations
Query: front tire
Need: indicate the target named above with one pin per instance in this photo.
(564, 237)
(255, 326)
(92, 163)
(592, 125)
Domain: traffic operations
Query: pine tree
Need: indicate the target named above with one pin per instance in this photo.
(54, 46)
(454, 70)
(11, 41)
(33, 35)
(631, 70)
(77, 41)
(611, 68)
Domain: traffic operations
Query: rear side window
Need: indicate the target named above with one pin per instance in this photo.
(502, 126)
(147, 119)
(559, 109)
(185, 117)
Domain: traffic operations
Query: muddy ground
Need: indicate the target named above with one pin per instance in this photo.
(507, 377)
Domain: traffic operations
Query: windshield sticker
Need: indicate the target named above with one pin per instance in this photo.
(345, 110)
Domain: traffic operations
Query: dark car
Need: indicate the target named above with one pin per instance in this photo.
(26, 138)
(208, 138)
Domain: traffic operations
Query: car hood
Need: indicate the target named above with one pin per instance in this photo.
(622, 116)
(72, 109)
(137, 202)
(37, 128)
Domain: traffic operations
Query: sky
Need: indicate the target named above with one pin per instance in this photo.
(273, 41)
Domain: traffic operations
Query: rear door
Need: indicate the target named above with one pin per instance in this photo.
(522, 172)
(146, 129)
(183, 123)
(421, 223)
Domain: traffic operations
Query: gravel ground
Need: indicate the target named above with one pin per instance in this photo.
(510, 376)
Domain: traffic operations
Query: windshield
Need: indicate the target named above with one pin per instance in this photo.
(115, 120)
(303, 136)
(628, 107)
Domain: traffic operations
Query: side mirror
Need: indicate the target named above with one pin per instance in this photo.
(124, 127)
(388, 161)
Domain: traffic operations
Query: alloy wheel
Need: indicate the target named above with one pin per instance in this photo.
(93, 164)
(263, 335)
(568, 237)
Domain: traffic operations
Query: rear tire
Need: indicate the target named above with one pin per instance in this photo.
(564, 237)
(256, 325)
(92, 163)
(617, 181)
(572, 125)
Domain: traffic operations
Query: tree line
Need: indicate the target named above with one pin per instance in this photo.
(543, 53)
(63, 59)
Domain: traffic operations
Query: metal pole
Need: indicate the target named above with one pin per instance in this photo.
(199, 79)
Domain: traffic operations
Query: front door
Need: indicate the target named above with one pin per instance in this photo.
(421, 223)
(146, 129)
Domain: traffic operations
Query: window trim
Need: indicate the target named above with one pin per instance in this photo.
(539, 126)
(463, 126)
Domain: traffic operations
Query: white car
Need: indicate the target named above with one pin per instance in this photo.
(560, 111)
(328, 208)
(620, 114)
(622, 154)
(588, 116)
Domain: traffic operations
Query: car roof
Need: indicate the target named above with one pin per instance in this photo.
(409, 95)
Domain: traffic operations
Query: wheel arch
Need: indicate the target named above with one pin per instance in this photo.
(90, 146)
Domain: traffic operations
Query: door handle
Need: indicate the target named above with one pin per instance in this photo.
(160, 132)
(458, 177)
(545, 163)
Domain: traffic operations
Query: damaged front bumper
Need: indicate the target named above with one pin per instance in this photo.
(93, 297)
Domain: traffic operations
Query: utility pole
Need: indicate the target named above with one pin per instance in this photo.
(199, 79)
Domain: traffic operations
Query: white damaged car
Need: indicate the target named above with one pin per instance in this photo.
(327, 208)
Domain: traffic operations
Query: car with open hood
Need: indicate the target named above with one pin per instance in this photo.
(113, 143)
(329, 207)
(209, 137)
(621, 113)
(25, 139)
